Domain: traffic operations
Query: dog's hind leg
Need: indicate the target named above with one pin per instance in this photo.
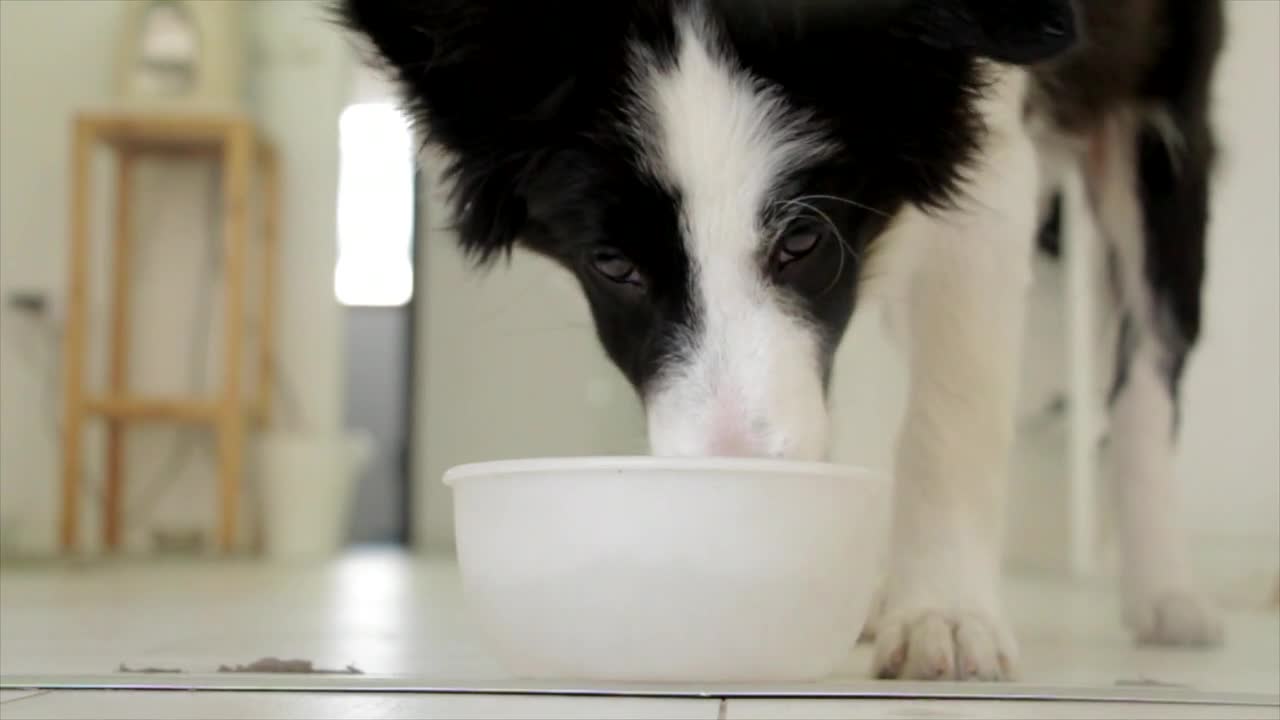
(1148, 178)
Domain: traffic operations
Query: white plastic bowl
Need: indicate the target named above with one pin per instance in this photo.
(645, 569)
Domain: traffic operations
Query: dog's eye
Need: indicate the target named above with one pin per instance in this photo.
(795, 247)
(616, 267)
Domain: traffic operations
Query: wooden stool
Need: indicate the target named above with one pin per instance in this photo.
(232, 141)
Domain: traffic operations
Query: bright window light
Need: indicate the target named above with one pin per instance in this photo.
(375, 207)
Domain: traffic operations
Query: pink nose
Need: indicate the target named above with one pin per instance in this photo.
(731, 440)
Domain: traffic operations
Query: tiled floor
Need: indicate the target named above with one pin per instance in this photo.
(392, 616)
(270, 706)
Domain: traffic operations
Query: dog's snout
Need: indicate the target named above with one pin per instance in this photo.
(732, 440)
(731, 432)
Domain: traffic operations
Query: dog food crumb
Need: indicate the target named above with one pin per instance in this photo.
(276, 665)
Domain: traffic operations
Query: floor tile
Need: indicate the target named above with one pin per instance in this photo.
(8, 696)
(993, 710)
(146, 705)
(399, 615)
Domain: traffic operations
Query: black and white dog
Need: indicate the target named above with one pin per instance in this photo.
(729, 179)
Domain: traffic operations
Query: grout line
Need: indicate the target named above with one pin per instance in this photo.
(29, 696)
(723, 712)
(843, 690)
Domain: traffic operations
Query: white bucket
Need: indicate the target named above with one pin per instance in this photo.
(308, 484)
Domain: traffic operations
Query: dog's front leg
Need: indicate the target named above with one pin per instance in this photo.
(961, 321)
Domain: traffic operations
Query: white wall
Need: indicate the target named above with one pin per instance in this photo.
(1230, 456)
(39, 90)
(1229, 459)
(508, 367)
(300, 83)
(56, 59)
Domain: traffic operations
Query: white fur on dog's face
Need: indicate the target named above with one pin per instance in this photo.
(747, 377)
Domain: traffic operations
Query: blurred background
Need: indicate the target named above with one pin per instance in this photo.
(392, 362)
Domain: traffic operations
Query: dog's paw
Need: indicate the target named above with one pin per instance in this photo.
(1180, 618)
(936, 645)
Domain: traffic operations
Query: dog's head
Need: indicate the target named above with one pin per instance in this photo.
(715, 173)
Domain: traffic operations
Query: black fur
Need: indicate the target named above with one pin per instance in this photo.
(1049, 238)
(1175, 180)
(529, 100)
(1145, 56)
(501, 84)
(1125, 341)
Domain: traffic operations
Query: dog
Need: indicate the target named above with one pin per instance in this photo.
(730, 180)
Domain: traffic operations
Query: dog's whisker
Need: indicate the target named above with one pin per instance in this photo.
(845, 247)
(566, 327)
(830, 223)
(847, 201)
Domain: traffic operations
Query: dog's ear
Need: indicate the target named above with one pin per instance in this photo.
(1020, 32)
(492, 82)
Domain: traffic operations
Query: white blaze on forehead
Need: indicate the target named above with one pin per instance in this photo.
(750, 380)
(721, 135)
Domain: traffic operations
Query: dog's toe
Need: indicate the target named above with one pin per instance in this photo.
(1181, 619)
(934, 645)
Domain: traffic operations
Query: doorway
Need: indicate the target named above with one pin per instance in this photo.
(374, 281)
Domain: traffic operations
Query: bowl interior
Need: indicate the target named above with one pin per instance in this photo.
(648, 465)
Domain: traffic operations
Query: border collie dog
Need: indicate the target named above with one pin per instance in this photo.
(729, 179)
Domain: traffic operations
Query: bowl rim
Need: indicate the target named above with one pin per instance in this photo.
(649, 463)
